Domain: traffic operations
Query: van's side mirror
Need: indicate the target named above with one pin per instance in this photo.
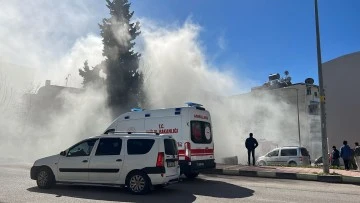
(63, 153)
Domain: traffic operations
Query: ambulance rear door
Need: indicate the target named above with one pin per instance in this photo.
(201, 136)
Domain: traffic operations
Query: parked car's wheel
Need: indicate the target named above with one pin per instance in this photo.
(191, 175)
(292, 164)
(45, 178)
(138, 183)
(262, 163)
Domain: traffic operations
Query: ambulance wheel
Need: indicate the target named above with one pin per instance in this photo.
(191, 175)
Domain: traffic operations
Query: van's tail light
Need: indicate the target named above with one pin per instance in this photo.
(187, 151)
(301, 158)
(160, 159)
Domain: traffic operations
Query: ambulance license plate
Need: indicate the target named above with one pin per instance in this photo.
(200, 164)
(171, 164)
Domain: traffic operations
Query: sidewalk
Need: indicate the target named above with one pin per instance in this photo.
(298, 173)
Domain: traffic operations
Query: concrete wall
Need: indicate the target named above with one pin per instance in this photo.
(341, 84)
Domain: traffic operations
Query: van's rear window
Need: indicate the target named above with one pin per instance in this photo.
(170, 147)
(201, 132)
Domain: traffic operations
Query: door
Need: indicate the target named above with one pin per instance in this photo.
(106, 163)
(171, 157)
(272, 157)
(202, 145)
(286, 155)
(74, 166)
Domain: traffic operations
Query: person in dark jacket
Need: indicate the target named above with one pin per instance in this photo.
(335, 157)
(345, 154)
(250, 144)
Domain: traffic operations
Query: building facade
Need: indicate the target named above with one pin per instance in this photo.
(296, 109)
(341, 82)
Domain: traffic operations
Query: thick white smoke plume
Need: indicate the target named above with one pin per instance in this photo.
(40, 45)
(176, 71)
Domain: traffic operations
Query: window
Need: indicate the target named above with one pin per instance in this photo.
(273, 153)
(304, 152)
(308, 91)
(315, 94)
(288, 152)
(109, 146)
(201, 132)
(170, 147)
(82, 149)
(139, 146)
(314, 109)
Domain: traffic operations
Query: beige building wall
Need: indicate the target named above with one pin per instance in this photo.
(341, 84)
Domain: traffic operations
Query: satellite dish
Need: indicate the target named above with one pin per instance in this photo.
(309, 81)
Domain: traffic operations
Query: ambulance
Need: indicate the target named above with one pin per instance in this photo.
(190, 126)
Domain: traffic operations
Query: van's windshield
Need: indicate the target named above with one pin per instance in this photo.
(201, 132)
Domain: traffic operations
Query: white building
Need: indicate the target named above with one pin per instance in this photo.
(341, 83)
(288, 102)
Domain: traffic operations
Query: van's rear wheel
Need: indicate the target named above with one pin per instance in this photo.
(292, 164)
(191, 175)
(138, 183)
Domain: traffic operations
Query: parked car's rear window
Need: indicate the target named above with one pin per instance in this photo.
(139, 146)
(288, 152)
(304, 152)
(170, 147)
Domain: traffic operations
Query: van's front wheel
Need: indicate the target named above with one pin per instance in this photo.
(191, 175)
(45, 178)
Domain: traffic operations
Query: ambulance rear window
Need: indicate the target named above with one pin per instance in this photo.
(201, 132)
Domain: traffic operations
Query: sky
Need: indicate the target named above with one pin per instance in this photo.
(261, 37)
(252, 38)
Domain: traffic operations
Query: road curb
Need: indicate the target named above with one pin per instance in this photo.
(284, 175)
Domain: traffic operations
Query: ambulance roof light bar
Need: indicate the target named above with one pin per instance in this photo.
(192, 104)
(136, 109)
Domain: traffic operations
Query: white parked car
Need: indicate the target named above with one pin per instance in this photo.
(286, 156)
(137, 161)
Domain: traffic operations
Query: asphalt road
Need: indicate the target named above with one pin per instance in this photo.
(16, 186)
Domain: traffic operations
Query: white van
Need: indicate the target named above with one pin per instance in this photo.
(190, 126)
(286, 156)
(138, 161)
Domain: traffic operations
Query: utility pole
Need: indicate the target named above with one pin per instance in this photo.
(322, 96)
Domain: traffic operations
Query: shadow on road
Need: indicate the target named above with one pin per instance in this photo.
(184, 191)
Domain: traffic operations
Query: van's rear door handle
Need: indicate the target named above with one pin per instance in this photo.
(85, 161)
(118, 160)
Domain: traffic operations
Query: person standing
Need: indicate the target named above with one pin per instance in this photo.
(352, 162)
(335, 157)
(345, 154)
(357, 155)
(250, 144)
